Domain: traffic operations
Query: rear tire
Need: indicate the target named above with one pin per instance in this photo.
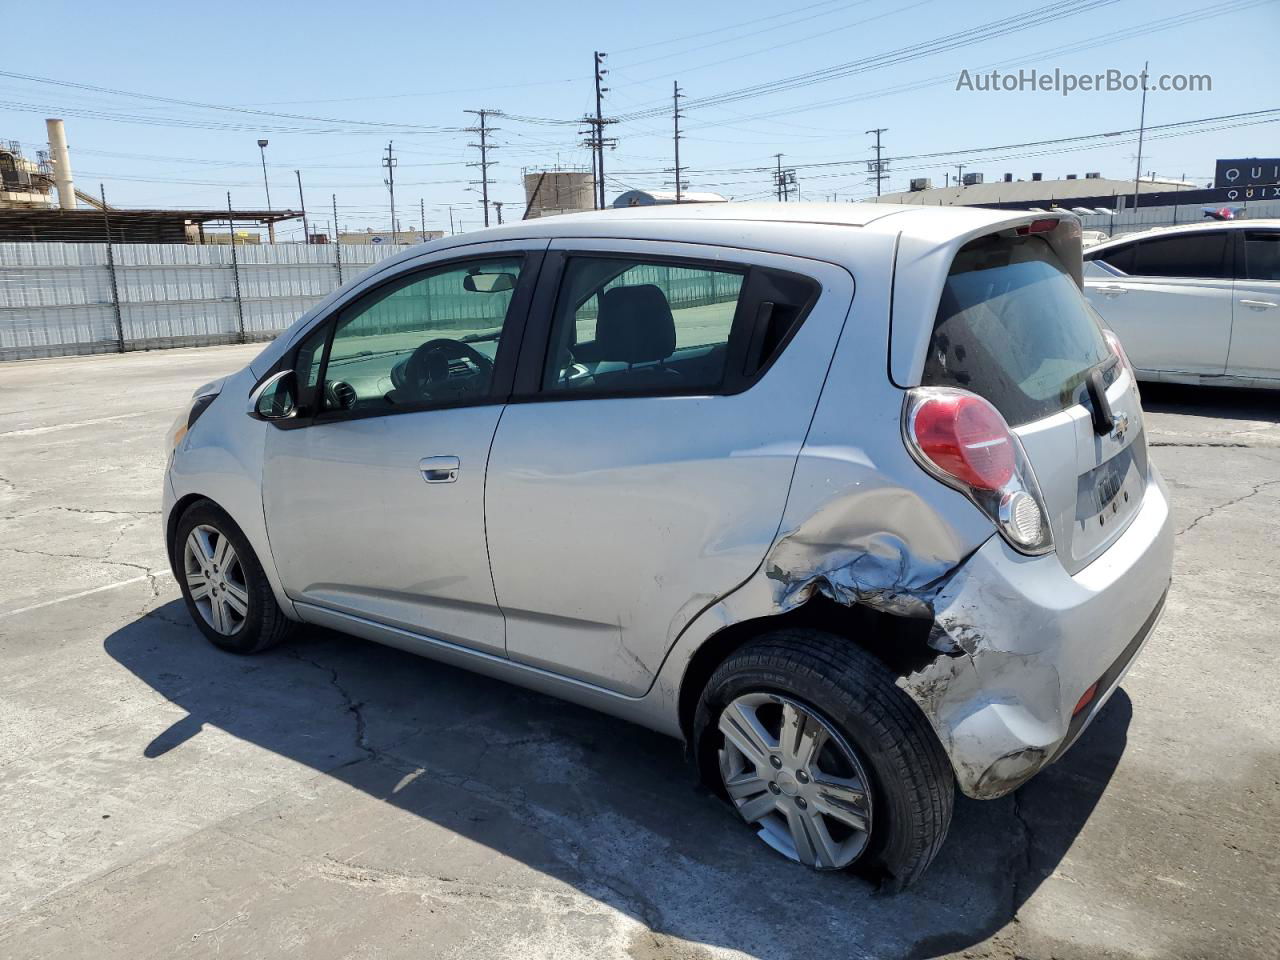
(223, 583)
(836, 693)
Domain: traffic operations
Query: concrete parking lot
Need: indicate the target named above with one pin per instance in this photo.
(333, 798)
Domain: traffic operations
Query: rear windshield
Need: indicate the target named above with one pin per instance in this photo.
(1013, 327)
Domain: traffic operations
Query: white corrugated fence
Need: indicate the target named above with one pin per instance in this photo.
(57, 299)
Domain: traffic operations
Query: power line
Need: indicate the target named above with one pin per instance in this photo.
(1215, 12)
(1269, 115)
(707, 33)
(217, 106)
(988, 31)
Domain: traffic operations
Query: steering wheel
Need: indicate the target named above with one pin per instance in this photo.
(428, 366)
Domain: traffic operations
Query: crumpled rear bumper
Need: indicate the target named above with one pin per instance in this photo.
(1026, 640)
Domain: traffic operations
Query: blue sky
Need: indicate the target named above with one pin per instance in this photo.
(357, 75)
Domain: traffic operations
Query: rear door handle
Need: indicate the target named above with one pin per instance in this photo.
(1259, 304)
(439, 469)
(1111, 290)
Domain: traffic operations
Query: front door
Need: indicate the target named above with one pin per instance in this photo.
(374, 499)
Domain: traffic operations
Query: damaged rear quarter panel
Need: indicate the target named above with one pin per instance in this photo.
(865, 525)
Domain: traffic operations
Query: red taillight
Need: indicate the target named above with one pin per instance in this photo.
(1117, 348)
(1043, 225)
(964, 436)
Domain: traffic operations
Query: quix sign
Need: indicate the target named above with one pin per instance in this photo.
(1250, 178)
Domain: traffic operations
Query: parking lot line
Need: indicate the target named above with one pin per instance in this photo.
(85, 593)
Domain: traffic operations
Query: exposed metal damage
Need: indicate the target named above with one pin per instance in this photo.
(987, 668)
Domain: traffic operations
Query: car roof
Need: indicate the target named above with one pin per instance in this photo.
(700, 222)
(1200, 227)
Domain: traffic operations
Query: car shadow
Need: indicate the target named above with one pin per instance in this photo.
(1216, 403)
(606, 807)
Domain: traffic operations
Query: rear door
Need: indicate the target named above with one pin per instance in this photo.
(1255, 337)
(1013, 327)
(1169, 300)
(641, 470)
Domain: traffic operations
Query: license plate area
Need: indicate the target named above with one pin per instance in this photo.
(1107, 497)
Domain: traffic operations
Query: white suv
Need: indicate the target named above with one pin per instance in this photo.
(1195, 304)
(854, 499)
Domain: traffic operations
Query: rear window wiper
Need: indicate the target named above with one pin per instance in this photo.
(1104, 418)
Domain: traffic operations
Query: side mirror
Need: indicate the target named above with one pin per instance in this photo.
(488, 282)
(276, 398)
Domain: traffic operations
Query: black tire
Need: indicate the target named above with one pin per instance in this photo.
(265, 624)
(913, 787)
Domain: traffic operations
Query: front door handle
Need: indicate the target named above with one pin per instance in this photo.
(1259, 304)
(1112, 290)
(439, 469)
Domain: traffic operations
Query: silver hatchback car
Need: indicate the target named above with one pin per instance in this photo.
(853, 499)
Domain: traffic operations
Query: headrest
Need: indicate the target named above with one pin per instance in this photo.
(635, 325)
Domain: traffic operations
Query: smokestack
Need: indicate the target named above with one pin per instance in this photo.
(61, 164)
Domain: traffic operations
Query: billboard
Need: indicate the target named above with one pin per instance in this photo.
(1246, 172)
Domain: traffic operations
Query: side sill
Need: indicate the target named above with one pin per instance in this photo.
(634, 709)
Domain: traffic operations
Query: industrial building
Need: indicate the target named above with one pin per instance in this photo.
(973, 191)
(401, 238)
(1240, 189)
(559, 190)
(39, 202)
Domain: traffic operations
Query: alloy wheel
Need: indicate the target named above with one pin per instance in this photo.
(215, 577)
(792, 775)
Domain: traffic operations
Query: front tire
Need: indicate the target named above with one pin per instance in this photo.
(811, 741)
(223, 583)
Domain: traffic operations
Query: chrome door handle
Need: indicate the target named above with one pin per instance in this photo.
(1259, 304)
(1112, 290)
(439, 469)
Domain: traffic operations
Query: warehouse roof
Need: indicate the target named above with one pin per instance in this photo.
(88, 225)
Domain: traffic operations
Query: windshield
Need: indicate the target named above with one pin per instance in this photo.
(1013, 327)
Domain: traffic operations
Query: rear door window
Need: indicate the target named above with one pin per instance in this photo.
(1013, 327)
(1262, 255)
(630, 326)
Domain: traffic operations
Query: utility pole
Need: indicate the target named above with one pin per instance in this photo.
(306, 231)
(960, 175)
(497, 205)
(675, 119)
(389, 161)
(484, 130)
(785, 180)
(879, 174)
(422, 218)
(337, 238)
(451, 219)
(597, 124)
(1142, 124)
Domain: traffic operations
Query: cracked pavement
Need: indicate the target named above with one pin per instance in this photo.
(333, 798)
